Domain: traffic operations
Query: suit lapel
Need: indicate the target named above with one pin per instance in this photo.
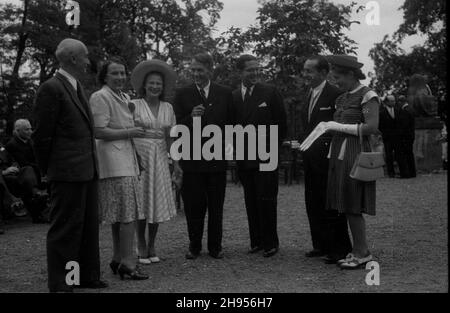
(322, 97)
(73, 95)
(252, 104)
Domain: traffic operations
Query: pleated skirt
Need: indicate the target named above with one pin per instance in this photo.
(345, 194)
(157, 194)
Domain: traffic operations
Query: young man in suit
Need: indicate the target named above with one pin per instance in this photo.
(255, 104)
(204, 181)
(329, 232)
(65, 151)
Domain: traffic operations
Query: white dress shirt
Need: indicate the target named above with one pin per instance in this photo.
(390, 111)
(205, 89)
(315, 94)
(244, 90)
(72, 80)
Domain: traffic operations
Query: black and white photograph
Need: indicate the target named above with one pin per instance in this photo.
(223, 152)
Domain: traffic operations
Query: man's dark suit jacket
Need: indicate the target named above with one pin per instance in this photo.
(264, 107)
(22, 152)
(64, 136)
(322, 111)
(388, 126)
(218, 111)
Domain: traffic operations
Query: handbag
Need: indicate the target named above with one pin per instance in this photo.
(368, 166)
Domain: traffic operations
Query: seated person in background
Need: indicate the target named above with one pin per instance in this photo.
(21, 182)
(10, 205)
(20, 146)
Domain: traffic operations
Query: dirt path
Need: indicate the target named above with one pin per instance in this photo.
(408, 237)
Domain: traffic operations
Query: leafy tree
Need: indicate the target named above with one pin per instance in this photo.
(393, 66)
(287, 33)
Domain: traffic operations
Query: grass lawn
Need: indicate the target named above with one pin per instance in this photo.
(408, 237)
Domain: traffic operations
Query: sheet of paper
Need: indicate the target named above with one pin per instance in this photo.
(316, 133)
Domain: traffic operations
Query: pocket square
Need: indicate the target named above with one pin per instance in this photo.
(324, 109)
(262, 105)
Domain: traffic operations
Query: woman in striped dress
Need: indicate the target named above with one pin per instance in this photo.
(152, 79)
(356, 110)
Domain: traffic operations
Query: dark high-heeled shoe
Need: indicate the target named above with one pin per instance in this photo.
(114, 265)
(134, 274)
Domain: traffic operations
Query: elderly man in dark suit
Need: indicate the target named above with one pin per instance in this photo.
(204, 181)
(20, 146)
(259, 104)
(329, 232)
(65, 151)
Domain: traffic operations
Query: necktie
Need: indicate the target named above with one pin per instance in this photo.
(247, 95)
(203, 95)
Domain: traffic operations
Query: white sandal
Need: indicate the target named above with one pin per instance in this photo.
(356, 262)
(348, 258)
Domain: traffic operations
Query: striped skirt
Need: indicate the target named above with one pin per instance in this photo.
(345, 194)
(155, 181)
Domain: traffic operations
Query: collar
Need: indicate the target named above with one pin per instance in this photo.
(319, 88)
(356, 89)
(206, 88)
(18, 138)
(244, 89)
(121, 95)
(72, 80)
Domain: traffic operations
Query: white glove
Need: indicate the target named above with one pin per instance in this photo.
(351, 129)
(324, 127)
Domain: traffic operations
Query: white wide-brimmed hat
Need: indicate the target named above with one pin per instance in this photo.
(143, 68)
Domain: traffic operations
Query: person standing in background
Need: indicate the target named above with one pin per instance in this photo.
(406, 130)
(389, 114)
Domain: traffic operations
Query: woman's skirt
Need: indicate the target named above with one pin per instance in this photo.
(345, 194)
(119, 200)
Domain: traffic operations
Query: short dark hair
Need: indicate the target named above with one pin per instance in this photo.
(357, 73)
(101, 77)
(141, 91)
(205, 59)
(240, 63)
(322, 63)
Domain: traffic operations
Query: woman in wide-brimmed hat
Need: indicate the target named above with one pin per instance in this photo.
(356, 111)
(152, 80)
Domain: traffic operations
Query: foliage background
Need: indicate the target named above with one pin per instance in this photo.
(285, 34)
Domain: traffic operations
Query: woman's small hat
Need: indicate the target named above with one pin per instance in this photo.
(344, 61)
(143, 68)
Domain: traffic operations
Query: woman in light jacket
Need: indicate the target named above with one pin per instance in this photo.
(119, 192)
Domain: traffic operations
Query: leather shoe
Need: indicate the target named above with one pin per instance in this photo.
(314, 253)
(95, 284)
(217, 255)
(270, 252)
(191, 255)
(2, 231)
(254, 250)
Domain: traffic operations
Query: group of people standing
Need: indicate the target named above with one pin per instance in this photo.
(107, 159)
(398, 131)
